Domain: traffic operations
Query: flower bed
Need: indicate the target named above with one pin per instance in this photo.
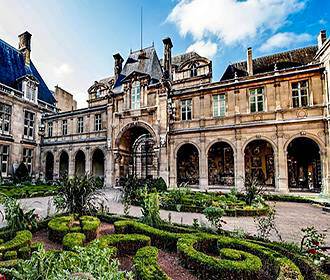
(28, 191)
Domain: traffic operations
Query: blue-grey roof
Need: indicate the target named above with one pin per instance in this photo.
(145, 62)
(12, 67)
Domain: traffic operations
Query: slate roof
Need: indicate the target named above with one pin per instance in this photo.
(12, 67)
(178, 59)
(284, 60)
(146, 64)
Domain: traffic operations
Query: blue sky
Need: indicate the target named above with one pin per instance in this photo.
(73, 40)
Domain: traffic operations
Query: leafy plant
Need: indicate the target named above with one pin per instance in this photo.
(266, 225)
(311, 242)
(91, 262)
(150, 208)
(17, 219)
(79, 195)
(214, 216)
(253, 187)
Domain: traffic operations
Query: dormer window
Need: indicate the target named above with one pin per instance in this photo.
(193, 71)
(135, 95)
(29, 86)
(98, 93)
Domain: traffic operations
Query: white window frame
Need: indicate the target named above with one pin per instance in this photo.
(257, 96)
(50, 129)
(219, 105)
(4, 160)
(299, 96)
(136, 95)
(186, 109)
(80, 124)
(64, 127)
(28, 159)
(29, 119)
(31, 89)
(98, 122)
(5, 119)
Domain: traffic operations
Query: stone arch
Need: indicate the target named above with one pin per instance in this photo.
(259, 161)
(80, 163)
(221, 164)
(63, 163)
(220, 140)
(98, 160)
(187, 164)
(304, 163)
(49, 167)
(265, 138)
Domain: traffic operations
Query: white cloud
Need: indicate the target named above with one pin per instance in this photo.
(284, 40)
(232, 21)
(206, 49)
(63, 69)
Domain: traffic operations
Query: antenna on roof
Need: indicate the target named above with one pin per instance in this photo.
(141, 25)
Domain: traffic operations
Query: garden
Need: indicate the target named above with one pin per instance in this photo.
(84, 241)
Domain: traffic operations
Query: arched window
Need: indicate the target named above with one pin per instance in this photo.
(135, 95)
(193, 71)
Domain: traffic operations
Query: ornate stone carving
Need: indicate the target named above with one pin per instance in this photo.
(163, 141)
(302, 113)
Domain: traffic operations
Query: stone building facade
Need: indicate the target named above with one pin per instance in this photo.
(267, 118)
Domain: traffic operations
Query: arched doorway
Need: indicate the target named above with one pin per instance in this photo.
(304, 165)
(259, 162)
(220, 159)
(188, 165)
(98, 163)
(80, 163)
(136, 153)
(49, 166)
(64, 164)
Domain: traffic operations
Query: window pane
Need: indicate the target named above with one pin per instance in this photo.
(295, 102)
(253, 107)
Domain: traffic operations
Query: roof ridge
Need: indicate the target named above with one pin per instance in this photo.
(136, 51)
(269, 55)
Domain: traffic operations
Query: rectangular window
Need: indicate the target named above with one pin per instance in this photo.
(80, 125)
(5, 118)
(4, 154)
(50, 129)
(186, 109)
(64, 127)
(300, 94)
(29, 125)
(219, 105)
(27, 159)
(98, 122)
(257, 100)
(136, 95)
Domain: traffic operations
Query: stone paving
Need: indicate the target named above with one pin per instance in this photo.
(291, 217)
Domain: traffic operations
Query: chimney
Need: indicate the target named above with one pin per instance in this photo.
(118, 64)
(24, 46)
(321, 38)
(168, 58)
(249, 62)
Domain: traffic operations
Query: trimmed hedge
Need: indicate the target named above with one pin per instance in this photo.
(146, 265)
(23, 238)
(59, 227)
(72, 240)
(126, 244)
(239, 259)
(159, 238)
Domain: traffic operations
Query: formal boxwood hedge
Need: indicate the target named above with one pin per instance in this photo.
(23, 238)
(146, 265)
(126, 244)
(159, 238)
(60, 226)
(72, 240)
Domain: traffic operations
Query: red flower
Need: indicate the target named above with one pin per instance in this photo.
(2, 277)
(312, 251)
(316, 243)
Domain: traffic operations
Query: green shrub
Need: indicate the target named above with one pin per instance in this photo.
(10, 255)
(125, 243)
(146, 265)
(24, 252)
(214, 215)
(22, 239)
(72, 240)
(90, 226)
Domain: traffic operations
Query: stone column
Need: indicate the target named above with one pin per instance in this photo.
(203, 182)
(163, 160)
(281, 166)
(239, 164)
(88, 161)
(56, 165)
(71, 163)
